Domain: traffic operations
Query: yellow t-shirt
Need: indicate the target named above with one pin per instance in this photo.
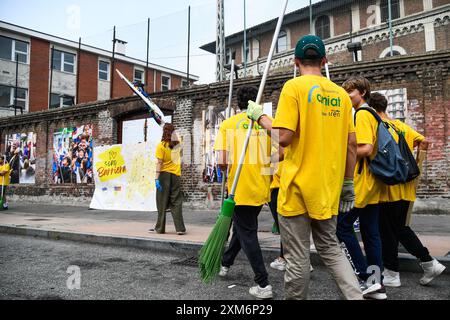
(276, 176)
(403, 191)
(4, 180)
(254, 181)
(367, 186)
(170, 157)
(319, 112)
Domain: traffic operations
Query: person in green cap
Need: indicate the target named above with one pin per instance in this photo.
(314, 124)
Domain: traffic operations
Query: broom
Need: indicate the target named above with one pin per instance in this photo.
(212, 251)
(227, 115)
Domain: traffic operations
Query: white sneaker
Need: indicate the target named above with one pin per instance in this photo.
(380, 294)
(391, 278)
(223, 271)
(368, 288)
(431, 270)
(278, 264)
(311, 269)
(261, 293)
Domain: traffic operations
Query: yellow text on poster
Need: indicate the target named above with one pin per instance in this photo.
(111, 165)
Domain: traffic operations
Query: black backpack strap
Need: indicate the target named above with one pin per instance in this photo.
(379, 120)
(372, 111)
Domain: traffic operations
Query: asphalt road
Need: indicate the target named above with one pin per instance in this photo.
(34, 268)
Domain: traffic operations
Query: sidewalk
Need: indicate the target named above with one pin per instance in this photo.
(130, 228)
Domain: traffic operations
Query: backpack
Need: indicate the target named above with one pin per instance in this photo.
(388, 165)
(407, 155)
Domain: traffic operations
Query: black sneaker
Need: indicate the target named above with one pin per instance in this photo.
(377, 295)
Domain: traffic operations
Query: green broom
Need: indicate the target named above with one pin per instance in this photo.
(210, 256)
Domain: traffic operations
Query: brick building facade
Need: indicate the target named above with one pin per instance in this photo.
(423, 81)
(418, 26)
(55, 72)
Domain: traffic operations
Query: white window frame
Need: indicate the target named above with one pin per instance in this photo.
(63, 62)
(102, 71)
(385, 52)
(12, 91)
(249, 56)
(170, 81)
(14, 51)
(287, 41)
(61, 100)
(142, 80)
(255, 49)
(330, 17)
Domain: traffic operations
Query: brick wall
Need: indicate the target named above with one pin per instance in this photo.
(413, 6)
(120, 89)
(88, 78)
(39, 74)
(442, 34)
(342, 20)
(425, 78)
(437, 3)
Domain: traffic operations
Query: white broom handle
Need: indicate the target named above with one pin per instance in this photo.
(227, 115)
(327, 71)
(259, 97)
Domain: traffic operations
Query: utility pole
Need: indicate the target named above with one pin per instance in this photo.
(245, 40)
(391, 40)
(189, 45)
(220, 41)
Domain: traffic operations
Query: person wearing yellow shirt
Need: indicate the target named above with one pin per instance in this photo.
(314, 124)
(395, 201)
(367, 192)
(168, 182)
(5, 172)
(252, 190)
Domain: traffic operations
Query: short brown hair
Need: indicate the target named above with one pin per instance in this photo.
(378, 102)
(359, 83)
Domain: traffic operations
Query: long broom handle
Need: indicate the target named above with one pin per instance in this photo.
(259, 98)
(227, 115)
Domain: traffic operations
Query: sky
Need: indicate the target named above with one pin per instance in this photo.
(93, 21)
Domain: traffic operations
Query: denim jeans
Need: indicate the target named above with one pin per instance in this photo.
(369, 228)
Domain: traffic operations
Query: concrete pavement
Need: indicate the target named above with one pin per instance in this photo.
(130, 228)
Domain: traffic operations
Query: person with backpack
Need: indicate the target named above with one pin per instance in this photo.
(367, 196)
(395, 201)
(314, 124)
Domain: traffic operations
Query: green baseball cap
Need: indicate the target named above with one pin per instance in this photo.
(309, 42)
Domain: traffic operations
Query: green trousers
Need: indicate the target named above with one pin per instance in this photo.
(169, 197)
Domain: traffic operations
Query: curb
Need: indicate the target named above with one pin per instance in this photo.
(408, 263)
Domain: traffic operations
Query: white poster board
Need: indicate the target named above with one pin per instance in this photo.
(125, 177)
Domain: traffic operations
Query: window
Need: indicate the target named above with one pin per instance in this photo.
(229, 55)
(138, 75)
(184, 83)
(10, 48)
(322, 27)
(282, 42)
(255, 51)
(103, 70)
(7, 97)
(58, 101)
(396, 51)
(165, 83)
(246, 55)
(395, 10)
(63, 61)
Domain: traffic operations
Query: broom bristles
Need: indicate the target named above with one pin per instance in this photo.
(210, 257)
